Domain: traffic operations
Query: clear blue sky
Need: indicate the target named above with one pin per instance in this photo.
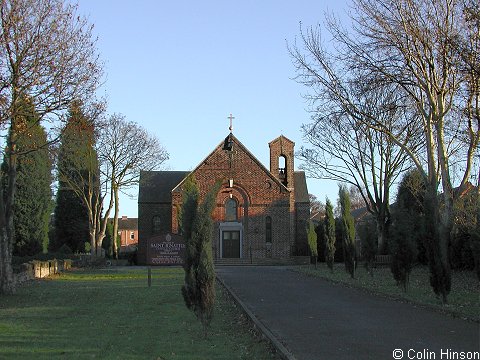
(179, 68)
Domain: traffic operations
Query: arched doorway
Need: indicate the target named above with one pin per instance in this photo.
(231, 231)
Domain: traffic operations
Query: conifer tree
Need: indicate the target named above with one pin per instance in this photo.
(408, 227)
(367, 232)
(312, 241)
(187, 215)
(33, 193)
(329, 231)
(321, 243)
(71, 216)
(107, 243)
(402, 247)
(199, 289)
(48, 52)
(348, 231)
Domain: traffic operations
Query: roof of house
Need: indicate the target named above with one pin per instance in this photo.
(128, 224)
(156, 186)
(360, 213)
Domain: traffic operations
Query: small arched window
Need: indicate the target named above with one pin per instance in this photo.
(282, 169)
(231, 210)
(282, 162)
(268, 229)
(156, 224)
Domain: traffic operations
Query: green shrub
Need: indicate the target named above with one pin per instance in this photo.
(312, 239)
(329, 234)
(348, 231)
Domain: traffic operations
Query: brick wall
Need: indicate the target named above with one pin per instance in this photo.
(258, 195)
(126, 241)
(282, 147)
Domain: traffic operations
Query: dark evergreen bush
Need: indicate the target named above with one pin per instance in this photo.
(348, 231)
(197, 228)
(329, 234)
(367, 232)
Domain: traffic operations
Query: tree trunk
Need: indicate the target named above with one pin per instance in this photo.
(98, 241)
(383, 223)
(381, 249)
(7, 232)
(115, 222)
(6, 270)
(93, 243)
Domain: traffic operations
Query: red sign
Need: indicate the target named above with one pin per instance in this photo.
(166, 249)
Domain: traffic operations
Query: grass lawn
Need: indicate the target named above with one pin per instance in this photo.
(112, 314)
(464, 298)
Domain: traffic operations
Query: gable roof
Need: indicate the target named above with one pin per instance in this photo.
(281, 138)
(128, 224)
(300, 187)
(156, 186)
(238, 142)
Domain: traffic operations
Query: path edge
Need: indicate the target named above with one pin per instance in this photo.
(282, 350)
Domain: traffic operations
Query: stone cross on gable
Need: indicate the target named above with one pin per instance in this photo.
(231, 124)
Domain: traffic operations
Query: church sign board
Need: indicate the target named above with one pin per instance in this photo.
(166, 249)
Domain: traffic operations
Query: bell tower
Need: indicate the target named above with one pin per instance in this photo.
(281, 160)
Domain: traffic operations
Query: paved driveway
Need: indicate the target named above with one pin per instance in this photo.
(316, 319)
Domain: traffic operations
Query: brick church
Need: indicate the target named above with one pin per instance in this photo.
(259, 213)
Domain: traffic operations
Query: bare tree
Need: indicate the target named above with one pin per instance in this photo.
(344, 147)
(356, 198)
(316, 206)
(48, 54)
(407, 45)
(124, 149)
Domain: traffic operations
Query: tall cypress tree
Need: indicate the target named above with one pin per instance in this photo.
(312, 242)
(71, 216)
(33, 198)
(329, 231)
(408, 226)
(199, 288)
(348, 231)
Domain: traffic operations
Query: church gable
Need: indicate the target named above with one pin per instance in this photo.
(231, 160)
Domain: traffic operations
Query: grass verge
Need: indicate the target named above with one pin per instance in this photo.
(464, 298)
(112, 314)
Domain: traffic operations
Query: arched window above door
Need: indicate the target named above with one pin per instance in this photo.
(231, 206)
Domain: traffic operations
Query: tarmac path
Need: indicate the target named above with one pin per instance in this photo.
(317, 319)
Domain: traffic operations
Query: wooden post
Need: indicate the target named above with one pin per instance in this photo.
(149, 276)
(149, 269)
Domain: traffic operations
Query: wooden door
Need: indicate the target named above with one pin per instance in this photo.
(231, 244)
